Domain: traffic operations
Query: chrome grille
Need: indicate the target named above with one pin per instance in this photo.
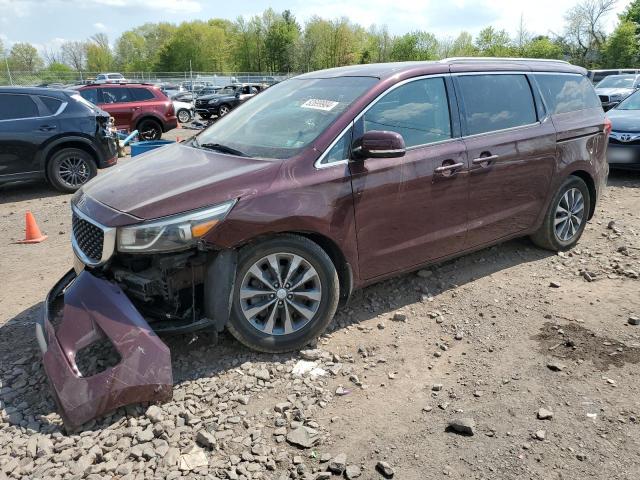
(89, 238)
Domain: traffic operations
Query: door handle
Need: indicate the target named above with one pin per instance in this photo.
(483, 160)
(47, 128)
(448, 169)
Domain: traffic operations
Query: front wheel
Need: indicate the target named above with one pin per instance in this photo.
(285, 294)
(566, 218)
(223, 110)
(184, 115)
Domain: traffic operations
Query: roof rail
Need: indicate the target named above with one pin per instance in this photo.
(493, 59)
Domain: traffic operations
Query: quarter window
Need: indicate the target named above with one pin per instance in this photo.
(340, 151)
(141, 94)
(567, 93)
(15, 107)
(52, 104)
(496, 102)
(418, 110)
(90, 95)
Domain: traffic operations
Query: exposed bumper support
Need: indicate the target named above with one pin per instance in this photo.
(219, 278)
(95, 309)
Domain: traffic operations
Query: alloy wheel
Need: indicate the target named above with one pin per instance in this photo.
(569, 215)
(74, 171)
(280, 294)
(184, 116)
(223, 111)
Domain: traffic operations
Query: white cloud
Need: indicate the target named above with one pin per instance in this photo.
(169, 6)
(100, 26)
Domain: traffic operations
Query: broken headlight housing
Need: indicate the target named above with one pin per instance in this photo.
(173, 233)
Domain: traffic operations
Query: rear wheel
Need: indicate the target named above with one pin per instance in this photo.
(149, 129)
(566, 218)
(70, 168)
(285, 294)
(184, 115)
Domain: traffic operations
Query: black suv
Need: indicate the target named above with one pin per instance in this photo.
(54, 135)
(226, 99)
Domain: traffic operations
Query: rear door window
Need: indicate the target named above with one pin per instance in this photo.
(141, 94)
(564, 93)
(116, 95)
(496, 102)
(418, 110)
(15, 107)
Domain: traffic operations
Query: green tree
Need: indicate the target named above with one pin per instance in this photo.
(621, 49)
(131, 52)
(198, 45)
(463, 46)
(541, 47)
(494, 43)
(415, 46)
(631, 13)
(280, 39)
(25, 58)
(99, 55)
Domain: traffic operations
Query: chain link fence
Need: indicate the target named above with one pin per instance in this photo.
(45, 78)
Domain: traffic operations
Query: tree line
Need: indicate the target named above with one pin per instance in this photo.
(278, 42)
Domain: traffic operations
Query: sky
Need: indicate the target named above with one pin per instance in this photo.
(48, 23)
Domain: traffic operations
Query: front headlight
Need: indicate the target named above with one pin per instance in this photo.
(176, 232)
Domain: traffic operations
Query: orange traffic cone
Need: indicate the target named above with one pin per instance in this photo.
(32, 232)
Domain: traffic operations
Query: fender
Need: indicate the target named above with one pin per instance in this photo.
(77, 138)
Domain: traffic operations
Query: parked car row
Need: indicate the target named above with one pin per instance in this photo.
(226, 99)
(615, 88)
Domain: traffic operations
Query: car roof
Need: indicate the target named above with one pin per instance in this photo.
(119, 84)
(448, 65)
(623, 75)
(51, 92)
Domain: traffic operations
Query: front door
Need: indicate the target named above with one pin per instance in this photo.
(410, 210)
(511, 148)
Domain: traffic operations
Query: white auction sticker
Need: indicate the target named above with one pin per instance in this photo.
(319, 104)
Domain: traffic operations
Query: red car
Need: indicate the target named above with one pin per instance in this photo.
(138, 106)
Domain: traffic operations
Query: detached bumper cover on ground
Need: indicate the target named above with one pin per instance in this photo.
(95, 309)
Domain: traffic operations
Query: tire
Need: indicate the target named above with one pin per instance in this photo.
(184, 115)
(552, 235)
(205, 116)
(303, 328)
(70, 168)
(149, 129)
(223, 110)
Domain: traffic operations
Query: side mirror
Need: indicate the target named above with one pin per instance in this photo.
(381, 144)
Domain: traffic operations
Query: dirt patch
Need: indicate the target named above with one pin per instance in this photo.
(572, 341)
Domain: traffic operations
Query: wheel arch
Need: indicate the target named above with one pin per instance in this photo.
(148, 116)
(331, 248)
(79, 143)
(591, 185)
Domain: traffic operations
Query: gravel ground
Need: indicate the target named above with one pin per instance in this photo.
(508, 363)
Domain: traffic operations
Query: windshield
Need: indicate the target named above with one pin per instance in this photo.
(287, 117)
(225, 90)
(617, 81)
(632, 102)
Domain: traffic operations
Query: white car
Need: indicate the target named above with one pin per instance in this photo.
(184, 111)
(110, 78)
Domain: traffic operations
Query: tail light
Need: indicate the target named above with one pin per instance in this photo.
(608, 126)
(170, 110)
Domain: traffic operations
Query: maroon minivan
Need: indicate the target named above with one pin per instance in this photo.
(324, 183)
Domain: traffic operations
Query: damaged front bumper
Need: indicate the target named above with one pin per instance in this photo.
(82, 310)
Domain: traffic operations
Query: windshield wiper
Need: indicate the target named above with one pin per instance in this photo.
(221, 148)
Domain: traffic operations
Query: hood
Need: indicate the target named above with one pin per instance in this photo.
(214, 95)
(178, 178)
(178, 104)
(615, 91)
(624, 120)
